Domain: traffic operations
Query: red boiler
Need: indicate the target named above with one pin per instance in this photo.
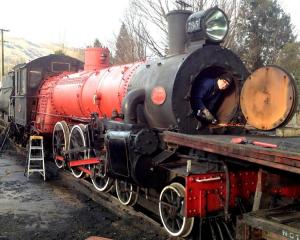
(99, 88)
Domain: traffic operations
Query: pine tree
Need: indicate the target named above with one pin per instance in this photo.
(263, 29)
(127, 48)
(97, 43)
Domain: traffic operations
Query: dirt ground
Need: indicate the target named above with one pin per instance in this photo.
(34, 209)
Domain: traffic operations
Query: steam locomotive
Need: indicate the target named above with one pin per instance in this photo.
(134, 126)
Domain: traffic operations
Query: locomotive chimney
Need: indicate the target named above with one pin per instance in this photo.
(177, 30)
(96, 59)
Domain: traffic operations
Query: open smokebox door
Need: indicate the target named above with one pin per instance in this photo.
(225, 109)
(269, 98)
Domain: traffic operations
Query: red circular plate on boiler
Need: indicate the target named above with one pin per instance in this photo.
(158, 95)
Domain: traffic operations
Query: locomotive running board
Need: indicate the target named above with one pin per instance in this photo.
(220, 144)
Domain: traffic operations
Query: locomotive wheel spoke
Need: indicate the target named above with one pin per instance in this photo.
(60, 141)
(100, 181)
(77, 141)
(168, 197)
(171, 201)
(126, 192)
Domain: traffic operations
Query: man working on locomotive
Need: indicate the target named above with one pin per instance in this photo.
(205, 95)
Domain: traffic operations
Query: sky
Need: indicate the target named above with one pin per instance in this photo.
(72, 22)
(77, 23)
(292, 8)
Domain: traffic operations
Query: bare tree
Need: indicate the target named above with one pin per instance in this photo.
(146, 19)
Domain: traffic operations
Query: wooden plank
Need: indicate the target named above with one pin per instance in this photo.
(280, 221)
(286, 218)
(288, 132)
(283, 160)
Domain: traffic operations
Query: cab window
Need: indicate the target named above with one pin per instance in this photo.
(35, 77)
(60, 67)
(23, 80)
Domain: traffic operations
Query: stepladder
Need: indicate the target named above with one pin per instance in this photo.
(36, 161)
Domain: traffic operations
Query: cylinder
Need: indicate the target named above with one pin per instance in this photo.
(177, 30)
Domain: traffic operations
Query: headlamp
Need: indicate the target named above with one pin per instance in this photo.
(211, 25)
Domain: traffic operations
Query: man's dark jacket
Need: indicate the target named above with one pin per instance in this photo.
(205, 94)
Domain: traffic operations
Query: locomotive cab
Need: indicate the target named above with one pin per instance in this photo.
(23, 83)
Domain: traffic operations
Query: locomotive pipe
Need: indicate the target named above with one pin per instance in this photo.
(130, 104)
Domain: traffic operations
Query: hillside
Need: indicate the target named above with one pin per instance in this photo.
(19, 50)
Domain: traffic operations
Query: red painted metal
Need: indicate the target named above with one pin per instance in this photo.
(85, 170)
(281, 185)
(264, 144)
(96, 59)
(290, 191)
(243, 140)
(72, 97)
(238, 140)
(158, 95)
(206, 193)
(82, 162)
(113, 87)
(46, 115)
(59, 158)
(68, 94)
